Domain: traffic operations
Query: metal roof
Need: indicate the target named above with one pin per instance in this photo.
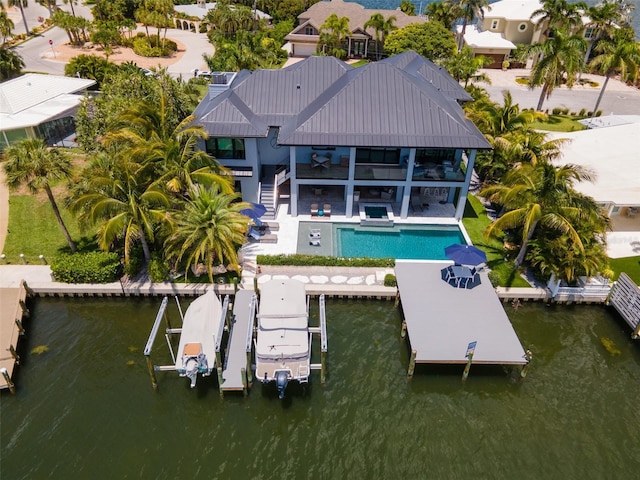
(443, 320)
(323, 101)
(33, 89)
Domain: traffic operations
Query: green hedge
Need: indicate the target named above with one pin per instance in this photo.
(390, 280)
(321, 261)
(92, 267)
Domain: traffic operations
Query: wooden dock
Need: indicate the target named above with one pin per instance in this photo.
(237, 373)
(13, 309)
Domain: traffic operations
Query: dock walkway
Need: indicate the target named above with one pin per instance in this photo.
(11, 313)
(237, 360)
(442, 320)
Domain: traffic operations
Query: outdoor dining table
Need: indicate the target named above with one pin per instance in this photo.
(459, 274)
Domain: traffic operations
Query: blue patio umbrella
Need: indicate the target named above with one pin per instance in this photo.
(255, 212)
(465, 254)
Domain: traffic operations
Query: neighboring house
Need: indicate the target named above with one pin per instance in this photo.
(617, 170)
(304, 38)
(389, 131)
(506, 24)
(199, 10)
(39, 106)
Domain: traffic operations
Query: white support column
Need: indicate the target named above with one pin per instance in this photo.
(406, 195)
(350, 186)
(294, 182)
(462, 199)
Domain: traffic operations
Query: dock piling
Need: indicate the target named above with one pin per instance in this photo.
(525, 369)
(403, 331)
(7, 378)
(245, 382)
(467, 367)
(14, 354)
(152, 373)
(412, 363)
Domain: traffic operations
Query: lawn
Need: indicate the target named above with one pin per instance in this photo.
(475, 221)
(628, 265)
(34, 231)
(558, 123)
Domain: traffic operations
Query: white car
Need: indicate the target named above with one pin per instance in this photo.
(202, 73)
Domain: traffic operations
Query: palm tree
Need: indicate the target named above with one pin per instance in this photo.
(562, 58)
(116, 195)
(407, 7)
(150, 138)
(464, 66)
(559, 15)
(30, 162)
(382, 27)
(602, 19)
(538, 194)
(622, 56)
(6, 24)
(445, 12)
(495, 120)
(71, 3)
(333, 33)
(469, 9)
(11, 64)
(208, 230)
(21, 4)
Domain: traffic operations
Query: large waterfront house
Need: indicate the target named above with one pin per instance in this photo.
(506, 24)
(391, 131)
(39, 106)
(361, 41)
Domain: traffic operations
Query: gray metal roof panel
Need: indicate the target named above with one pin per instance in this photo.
(380, 105)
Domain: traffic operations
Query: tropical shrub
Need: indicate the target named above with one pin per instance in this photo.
(390, 280)
(158, 270)
(321, 261)
(92, 267)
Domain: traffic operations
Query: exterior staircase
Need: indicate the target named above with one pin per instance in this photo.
(267, 198)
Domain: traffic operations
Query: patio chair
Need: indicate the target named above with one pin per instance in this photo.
(314, 209)
(314, 242)
(327, 209)
(314, 233)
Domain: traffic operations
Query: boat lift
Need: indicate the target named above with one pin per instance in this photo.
(322, 331)
(162, 315)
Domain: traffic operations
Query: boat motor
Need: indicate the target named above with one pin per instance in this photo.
(282, 379)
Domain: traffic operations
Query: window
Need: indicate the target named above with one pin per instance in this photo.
(226, 147)
(390, 156)
(435, 155)
(494, 24)
(589, 33)
(522, 27)
(309, 31)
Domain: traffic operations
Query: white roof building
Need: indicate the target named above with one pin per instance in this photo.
(33, 100)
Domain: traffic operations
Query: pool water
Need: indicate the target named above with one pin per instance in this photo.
(376, 212)
(406, 242)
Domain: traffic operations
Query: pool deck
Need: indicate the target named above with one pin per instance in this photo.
(443, 320)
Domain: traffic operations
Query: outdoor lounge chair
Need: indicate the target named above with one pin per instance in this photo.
(314, 233)
(262, 237)
(314, 209)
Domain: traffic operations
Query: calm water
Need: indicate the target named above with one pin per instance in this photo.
(405, 243)
(420, 5)
(86, 410)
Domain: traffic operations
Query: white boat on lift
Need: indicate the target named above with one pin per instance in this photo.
(283, 344)
(201, 326)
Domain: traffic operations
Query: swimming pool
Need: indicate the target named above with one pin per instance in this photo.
(400, 242)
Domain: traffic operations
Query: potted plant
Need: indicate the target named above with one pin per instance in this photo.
(505, 64)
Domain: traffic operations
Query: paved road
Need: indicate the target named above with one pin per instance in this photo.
(618, 97)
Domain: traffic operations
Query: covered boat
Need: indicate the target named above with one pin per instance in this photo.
(283, 344)
(200, 328)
